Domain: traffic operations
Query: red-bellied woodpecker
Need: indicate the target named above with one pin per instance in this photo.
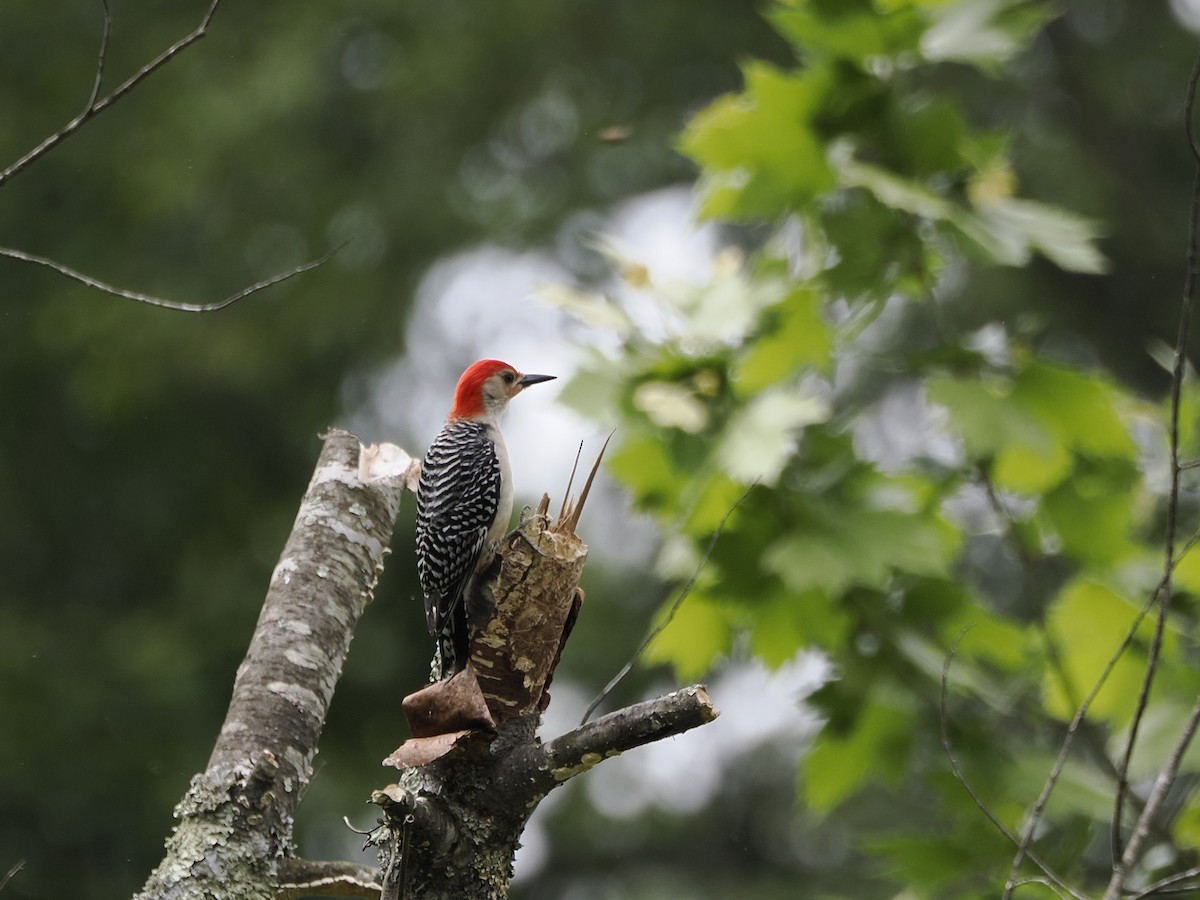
(464, 501)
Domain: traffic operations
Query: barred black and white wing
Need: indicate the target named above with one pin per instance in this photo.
(457, 501)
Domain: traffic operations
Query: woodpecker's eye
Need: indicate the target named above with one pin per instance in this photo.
(509, 377)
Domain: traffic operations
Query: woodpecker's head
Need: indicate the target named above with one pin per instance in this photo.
(485, 388)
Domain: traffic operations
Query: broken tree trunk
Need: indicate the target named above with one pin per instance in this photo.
(475, 770)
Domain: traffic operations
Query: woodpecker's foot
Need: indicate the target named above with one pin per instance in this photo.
(518, 533)
(527, 513)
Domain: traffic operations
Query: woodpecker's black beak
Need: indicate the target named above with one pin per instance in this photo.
(527, 380)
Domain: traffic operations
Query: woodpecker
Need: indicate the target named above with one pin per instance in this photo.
(464, 501)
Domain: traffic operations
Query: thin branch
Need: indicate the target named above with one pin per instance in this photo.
(1064, 751)
(1172, 884)
(1122, 861)
(1162, 784)
(960, 776)
(1044, 882)
(13, 870)
(612, 734)
(97, 104)
(152, 300)
(658, 629)
(106, 30)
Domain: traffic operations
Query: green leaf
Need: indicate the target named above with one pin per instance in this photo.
(875, 749)
(991, 425)
(595, 388)
(782, 623)
(724, 309)
(984, 32)
(1066, 239)
(1080, 408)
(697, 634)
(645, 466)
(1033, 426)
(593, 310)
(1092, 513)
(1007, 230)
(714, 499)
(671, 405)
(848, 545)
(1086, 624)
(760, 151)
(798, 338)
(1027, 470)
(846, 32)
(1186, 827)
(761, 436)
(1187, 571)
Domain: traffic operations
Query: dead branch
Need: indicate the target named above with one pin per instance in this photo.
(235, 821)
(97, 104)
(152, 300)
(613, 734)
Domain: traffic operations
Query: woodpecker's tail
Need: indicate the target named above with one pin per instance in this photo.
(453, 642)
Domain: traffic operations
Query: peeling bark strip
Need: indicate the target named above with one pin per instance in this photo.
(235, 822)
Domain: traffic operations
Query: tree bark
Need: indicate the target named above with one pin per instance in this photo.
(235, 821)
(474, 770)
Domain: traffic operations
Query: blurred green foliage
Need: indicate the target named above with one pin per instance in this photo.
(930, 322)
(920, 480)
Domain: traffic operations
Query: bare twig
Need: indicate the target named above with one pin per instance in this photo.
(1044, 882)
(1162, 784)
(1123, 861)
(658, 629)
(1064, 751)
(13, 870)
(960, 776)
(152, 300)
(97, 104)
(106, 30)
(1179, 883)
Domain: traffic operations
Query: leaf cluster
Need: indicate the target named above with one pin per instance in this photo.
(916, 491)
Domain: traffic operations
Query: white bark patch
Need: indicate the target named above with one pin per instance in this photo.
(302, 698)
(285, 568)
(355, 536)
(297, 760)
(295, 626)
(334, 472)
(306, 656)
